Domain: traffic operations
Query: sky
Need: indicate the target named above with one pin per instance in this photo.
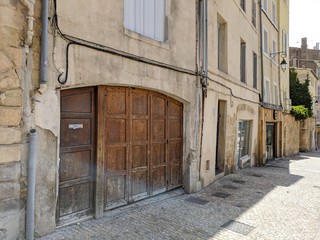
(304, 22)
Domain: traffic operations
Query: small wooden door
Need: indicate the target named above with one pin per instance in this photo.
(77, 153)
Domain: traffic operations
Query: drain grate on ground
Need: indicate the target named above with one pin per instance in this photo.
(221, 195)
(238, 227)
(256, 175)
(197, 200)
(230, 187)
(239, 181)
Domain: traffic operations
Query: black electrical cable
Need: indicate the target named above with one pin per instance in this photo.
(81, 42)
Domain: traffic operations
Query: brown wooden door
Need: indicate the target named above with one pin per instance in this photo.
(116, 144)
(77, 153)
(141, 144)
(175, 146)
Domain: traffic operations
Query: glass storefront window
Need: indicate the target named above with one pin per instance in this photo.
(243, 138)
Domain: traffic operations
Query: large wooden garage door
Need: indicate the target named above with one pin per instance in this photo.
(142, 144)
(77, 153)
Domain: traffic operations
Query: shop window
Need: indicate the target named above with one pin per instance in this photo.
(243, 139)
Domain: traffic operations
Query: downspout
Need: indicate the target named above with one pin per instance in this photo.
(261, 55)
(32, 158)
(44, 46)
(204, 73)
(260, 147)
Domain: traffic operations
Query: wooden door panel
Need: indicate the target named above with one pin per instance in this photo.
(117, 159)
(140, 103)
(139, 130)
(71, 169)
(158, 154)
(113, 98)
(77, 153)
(175, 128)
(159, 179)
(77, 102)
(75, 132)
(159, 129)
(115, 190)
(159, 103)
(74, 198)
(139, 156)
(116, 131)
(139, 181)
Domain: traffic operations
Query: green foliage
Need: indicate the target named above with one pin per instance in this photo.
(299, 92)
(300, 112)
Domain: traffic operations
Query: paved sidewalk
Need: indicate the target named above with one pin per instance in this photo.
(278, 201)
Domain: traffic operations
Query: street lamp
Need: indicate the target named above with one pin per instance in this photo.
(283, 63)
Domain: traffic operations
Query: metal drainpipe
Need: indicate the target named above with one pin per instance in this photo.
(32, 158)
(44, 43)
(203, 27)
(261, 53)
(260, 148)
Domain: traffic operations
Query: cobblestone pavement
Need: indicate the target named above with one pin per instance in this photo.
(278, 201)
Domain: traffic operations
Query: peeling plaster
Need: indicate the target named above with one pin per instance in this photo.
(46, 108)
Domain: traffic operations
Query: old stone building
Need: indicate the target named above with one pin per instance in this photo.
(276, 127)
(128, 99)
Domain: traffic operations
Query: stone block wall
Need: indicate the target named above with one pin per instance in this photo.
(307, 134)
(291, 135)
(12, 24)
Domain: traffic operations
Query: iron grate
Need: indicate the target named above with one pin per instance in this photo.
(239, 181)
(256, 175)
(230, 187)
(221, 195)
(238, 227)
(197, 200)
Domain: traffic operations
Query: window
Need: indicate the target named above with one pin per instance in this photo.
(255, 70)
(284, 41)
(274, 50)
(274, 12)
(243, 61)
(222, 44)
(243, 4)
(265, 41)
(243, 138)
(254, 13)
(267, 94)
(265, 5)
(275, 93)
(146, 17)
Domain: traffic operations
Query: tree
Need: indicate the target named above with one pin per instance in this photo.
(300, 95)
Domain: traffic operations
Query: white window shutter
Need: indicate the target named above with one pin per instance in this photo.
(146, 17)
(159, 19)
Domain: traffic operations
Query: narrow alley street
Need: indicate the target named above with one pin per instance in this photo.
(278, 201)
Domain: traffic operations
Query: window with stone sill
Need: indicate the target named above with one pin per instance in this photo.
(146, 17)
